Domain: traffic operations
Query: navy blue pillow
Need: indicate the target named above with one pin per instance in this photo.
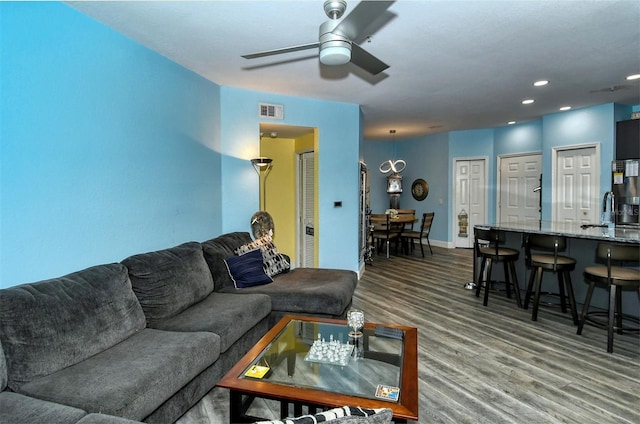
(246, 270)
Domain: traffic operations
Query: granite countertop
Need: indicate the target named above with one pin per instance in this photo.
(619, 234)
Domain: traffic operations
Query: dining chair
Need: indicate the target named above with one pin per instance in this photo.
(425, 227)
(384, 230)
(407, 214)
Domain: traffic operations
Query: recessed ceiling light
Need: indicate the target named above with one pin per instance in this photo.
(511, 122)
(540, 83)
(633, 77)
(565, 108)
(527, 101)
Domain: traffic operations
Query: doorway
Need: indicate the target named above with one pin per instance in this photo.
(519, 188)
(284, 144)
(470, 199)
(576, 184)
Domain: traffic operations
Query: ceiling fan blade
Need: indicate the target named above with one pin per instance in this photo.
(282, 50)
(366, 60)
(361, 17)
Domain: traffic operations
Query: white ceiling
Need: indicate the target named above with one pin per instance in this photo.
(454, 65)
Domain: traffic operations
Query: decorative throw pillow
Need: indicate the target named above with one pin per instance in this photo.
(343, 415)
(247, 270)
(274, 263)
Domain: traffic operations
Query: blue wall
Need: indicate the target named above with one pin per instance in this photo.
(339, 136)
(424, 160)
(108, 149)
(518, 138)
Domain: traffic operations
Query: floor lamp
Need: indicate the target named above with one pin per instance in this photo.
(262, 166)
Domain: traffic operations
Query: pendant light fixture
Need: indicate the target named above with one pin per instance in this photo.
(393, 167)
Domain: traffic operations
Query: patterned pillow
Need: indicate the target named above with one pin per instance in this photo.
(343, 415)
(246, 270)
(274, 262)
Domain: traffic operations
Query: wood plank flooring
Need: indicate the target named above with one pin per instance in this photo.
(489, 364)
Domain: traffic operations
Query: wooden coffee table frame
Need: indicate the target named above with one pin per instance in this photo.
(243, 390)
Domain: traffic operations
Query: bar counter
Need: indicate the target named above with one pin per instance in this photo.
(581, 245)
(571, 230)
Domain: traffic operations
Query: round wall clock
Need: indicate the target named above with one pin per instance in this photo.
(419, 189)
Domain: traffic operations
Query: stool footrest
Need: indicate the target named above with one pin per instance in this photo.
(593, 317)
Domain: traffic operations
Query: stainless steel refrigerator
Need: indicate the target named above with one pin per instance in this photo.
(625, 184)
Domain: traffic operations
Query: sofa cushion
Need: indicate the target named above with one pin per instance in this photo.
(274, 263)
(17, 408)
(317, 291)
(54, 324)
(134, 377)
(247, 270)
(228, 315)
(217, 250)
(169, 281)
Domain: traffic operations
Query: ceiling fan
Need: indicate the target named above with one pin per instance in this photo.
(336, 37)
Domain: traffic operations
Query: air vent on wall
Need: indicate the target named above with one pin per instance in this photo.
(271, 111)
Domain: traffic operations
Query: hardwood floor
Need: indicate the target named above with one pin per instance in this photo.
(493, 364)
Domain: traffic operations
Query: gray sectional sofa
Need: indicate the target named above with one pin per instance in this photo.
(144, 339)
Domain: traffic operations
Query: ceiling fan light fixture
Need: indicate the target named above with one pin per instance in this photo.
(335, 47)
(335, 55)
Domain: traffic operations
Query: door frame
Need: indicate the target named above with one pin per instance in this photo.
(454, 202)
(554, 163)
(499, 175)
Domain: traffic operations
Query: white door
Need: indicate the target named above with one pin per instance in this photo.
(519, 176)
(306, 199)
(577, 185)
(470, 199)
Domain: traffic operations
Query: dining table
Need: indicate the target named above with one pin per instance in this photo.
(402, 219)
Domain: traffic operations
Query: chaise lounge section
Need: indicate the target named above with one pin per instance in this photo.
(318, 292)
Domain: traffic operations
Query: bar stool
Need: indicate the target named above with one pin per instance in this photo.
(550, 261)
(487, 247)
(616, 278)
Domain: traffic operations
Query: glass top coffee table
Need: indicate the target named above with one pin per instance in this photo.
(314, 363)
